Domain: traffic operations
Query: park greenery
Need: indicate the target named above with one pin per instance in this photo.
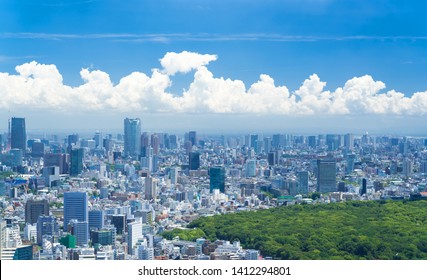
(350, 230)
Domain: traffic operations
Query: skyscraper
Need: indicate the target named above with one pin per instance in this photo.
(194, 160)
(96, 219)
(303, 182)
(75, 207)
(150, 188)
(132, 143)
(192, 137)
(76, 166)
(326, 175)
(34, 209)
(217, 178)
(18, 134)
(46, 226)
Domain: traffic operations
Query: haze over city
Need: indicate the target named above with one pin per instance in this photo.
(297, 66)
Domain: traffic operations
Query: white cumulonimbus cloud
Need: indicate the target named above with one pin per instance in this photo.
(40, 86)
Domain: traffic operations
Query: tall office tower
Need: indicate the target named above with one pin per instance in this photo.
(326, 175)
(80, 229)
(363, 189)
(132, 143)
(18, 134)
(37, 149)
(194, 160)
(192, 137)
(76, 166)
(259, 145)
(349, 141)
(34, 209)
(98, 139)
(75, 207)
(150, 188)
(173, 142)
(47, 226)
(311, 140)
(60, 160)
(253, 139)
(217, 178)
(96, 219)
(250, 168)
(72, 140)
(173, 174)
(134, 233)
(407, 167)
(272, 158)
(155, 144)
(350, 163)
(333, 141)
(267, 145)
(303, 182)
(404, 148)
(145, 144)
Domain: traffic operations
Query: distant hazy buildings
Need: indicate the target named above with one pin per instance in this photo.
(132, 137)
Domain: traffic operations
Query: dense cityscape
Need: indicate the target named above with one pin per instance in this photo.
(113, 197)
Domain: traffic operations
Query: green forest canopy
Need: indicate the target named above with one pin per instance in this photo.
(350, 230)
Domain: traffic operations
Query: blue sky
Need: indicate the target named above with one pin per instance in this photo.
(383, 44)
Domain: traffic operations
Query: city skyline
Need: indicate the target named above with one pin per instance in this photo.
(315, 66)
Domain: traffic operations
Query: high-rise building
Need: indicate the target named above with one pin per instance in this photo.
(96, 219)
(272, 158)
(150, 187)
(250, 168)
(326, 175)
(37, 149)
(119, 222)
(349, 141)
(72, 140)
(80, 229)
(155, 143)
(75, 207)
(192, 137)
(407, 167)
(350, 163)
(311, 141)
(134, 233)
(34, 209)
(76, 166)
(18, 134)
(132, 141)
(61, 160)
(303, 182)
(46, 226)
(217, 178)
(98, 139)
(363, 190)
(194, 160)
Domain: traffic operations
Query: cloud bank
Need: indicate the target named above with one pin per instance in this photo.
(40, 86)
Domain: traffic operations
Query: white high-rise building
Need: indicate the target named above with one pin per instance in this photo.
(134, 233)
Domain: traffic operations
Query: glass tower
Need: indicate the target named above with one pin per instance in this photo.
(132, 141)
